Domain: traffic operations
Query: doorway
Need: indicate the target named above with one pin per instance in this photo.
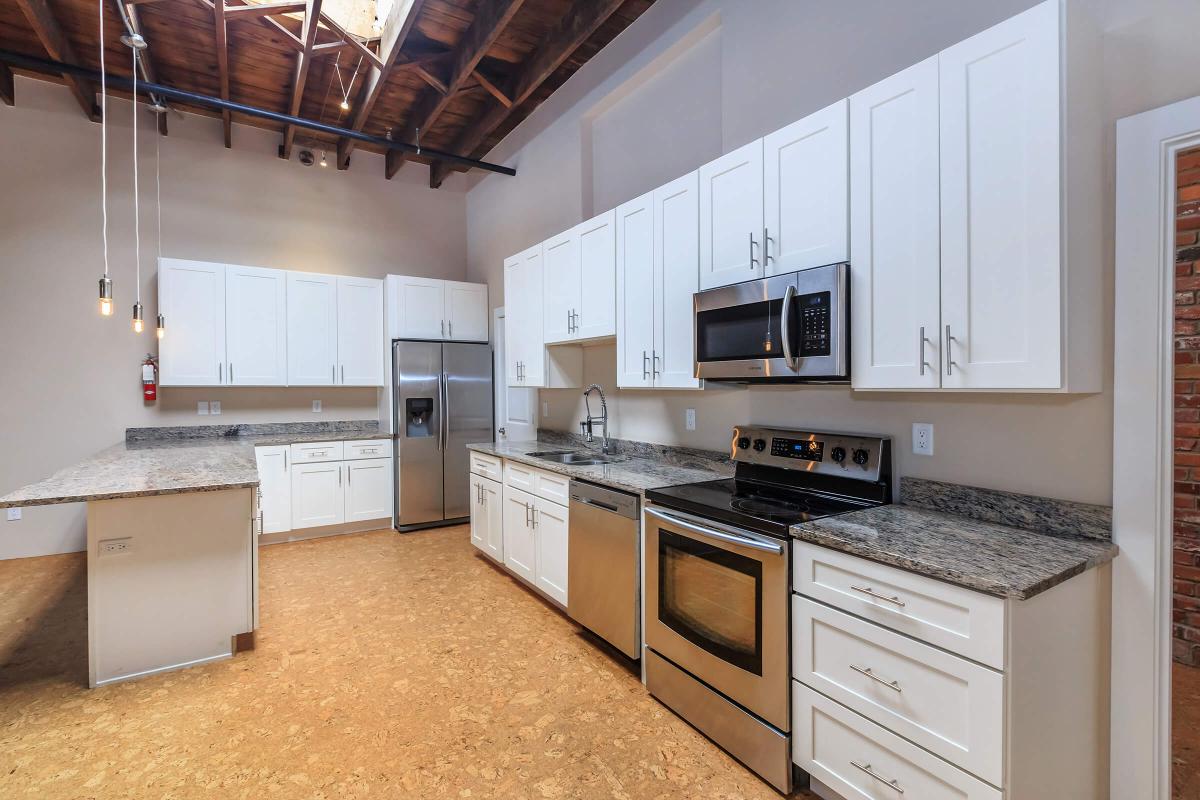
(516, 408)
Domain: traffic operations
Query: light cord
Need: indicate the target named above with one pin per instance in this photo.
(137, 228)
(103, 145)
(158, 191)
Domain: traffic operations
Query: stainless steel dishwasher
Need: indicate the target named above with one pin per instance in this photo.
(603, 577)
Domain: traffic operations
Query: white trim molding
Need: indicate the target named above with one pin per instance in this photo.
(1147, 145)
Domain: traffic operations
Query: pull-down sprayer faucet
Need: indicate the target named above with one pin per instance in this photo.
(586, 425)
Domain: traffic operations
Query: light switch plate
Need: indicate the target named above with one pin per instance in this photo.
(545, 409)
(214, 407)
(202, 408)
(316, 406)
(922, 438)
(14, 514)
(689, 419)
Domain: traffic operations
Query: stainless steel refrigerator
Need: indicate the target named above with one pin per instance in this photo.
(442, 401)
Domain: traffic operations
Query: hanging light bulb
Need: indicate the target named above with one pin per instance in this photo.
(345, 106)
(106, 287)
(161, 330)
(324, 163)
(138, 315)
(139, 323)
(106, 296)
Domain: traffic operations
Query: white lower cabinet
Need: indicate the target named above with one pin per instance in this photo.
(550, 540)
(487, 516)
(318, 495)
(316, 484)
(368, 489)
(520, 549)
(275, 486)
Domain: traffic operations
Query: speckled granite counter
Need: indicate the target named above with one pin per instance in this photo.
(636, 473)
(958, 548)
(176, 460)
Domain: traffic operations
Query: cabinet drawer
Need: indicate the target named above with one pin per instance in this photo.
(367, 448)
(957, 619)
(313, 452)
(547, 485)
(487, 466)
(948, 705)
(857, 758)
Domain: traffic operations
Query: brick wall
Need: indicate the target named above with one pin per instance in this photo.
(1186, 610)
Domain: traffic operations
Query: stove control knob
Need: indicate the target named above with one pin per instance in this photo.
(743, 442)
(860, 457)
(760, 445)
(838, 454)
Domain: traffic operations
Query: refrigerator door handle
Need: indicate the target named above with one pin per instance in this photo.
(442, 399)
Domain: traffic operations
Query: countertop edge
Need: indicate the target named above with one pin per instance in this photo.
(89, 498)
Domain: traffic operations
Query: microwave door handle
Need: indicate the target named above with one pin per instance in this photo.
(709, 533)
(785, 328)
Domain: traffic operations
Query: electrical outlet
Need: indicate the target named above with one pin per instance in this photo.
(112, 547)
(689, 419)
(922, 438)
(545, 409)
(202, 408)
(214, 407)
(316, 406)
(14, 514)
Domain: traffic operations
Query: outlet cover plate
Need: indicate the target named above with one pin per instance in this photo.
(689, 419)
(202, 408)
(112, 547)
(922, 438)
(214, 407)
(316, 406)
(14, 514)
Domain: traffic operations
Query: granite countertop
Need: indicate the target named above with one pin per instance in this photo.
(169, 464)
(986, 556)
(635, 473)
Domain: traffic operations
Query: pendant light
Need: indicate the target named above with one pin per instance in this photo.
(345, 104)
(160, 329)
(138, 312)
(106, 286)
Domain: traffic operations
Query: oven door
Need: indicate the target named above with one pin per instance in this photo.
(792, 326)
(717, 606)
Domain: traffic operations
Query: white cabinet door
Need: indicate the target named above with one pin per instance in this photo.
(479, 517)
(635, 291)
(420, 306)
(676, 279)
(514, 323)
(596, 311)
(466, 311)
(493, 505)
(312, 314)
(368, 489)
(531, 307)
(275, 483)
(1001, 223)
(256, 326)
(360, 331)
(560, 268)
(191, 298)
(520, 554)
(550, 534)
(318, 495)
(894, 211)
(731, 217)
(806, 180)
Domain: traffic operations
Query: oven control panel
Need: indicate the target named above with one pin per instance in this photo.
(841, 454)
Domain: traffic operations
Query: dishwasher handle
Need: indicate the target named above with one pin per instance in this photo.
(605, 499)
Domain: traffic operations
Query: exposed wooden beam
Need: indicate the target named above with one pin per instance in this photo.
(222, 44)
(434, 81)
(573, 29)
(393, 160)
(7, 90)
(312, 18)
(493, 89)
(265, 9)
(350, 40)
(50, 34)
(290, 39)
(401, 20)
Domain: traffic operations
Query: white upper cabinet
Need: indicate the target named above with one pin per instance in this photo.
(359, 331)
(514, 327)
(894, 277)
(731, 217)
(561, 282)
(529, 363)
(596, 311)
(256, 326)
(635, 291)
(806, 192)
(312, 313)
(676, 279)
(419, 304)
(191, 298)
(466, 311)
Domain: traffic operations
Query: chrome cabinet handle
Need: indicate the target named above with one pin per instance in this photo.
(877, 595)
(220, 372)
(443, 327)
(949, 339)
(343, 373)
(645, 366)
(654, 359)
(535, 516)
(785, 326)
(528, 514)
(231, 372)
(921, 353)
(450, 327)
(285, 452)
(339, 475)
(891, 784)
(349, 472)
(753, 244)
(893, 685)
(766, 248)
(570, 326)
(333, 373)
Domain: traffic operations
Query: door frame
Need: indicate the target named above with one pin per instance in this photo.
(1143, 428)
(500, 387)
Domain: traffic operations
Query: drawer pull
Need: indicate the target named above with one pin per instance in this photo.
(893, 685)
(877, 595)
(892, 784)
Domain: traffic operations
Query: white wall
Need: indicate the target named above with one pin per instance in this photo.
(69, 378)
(776, 61)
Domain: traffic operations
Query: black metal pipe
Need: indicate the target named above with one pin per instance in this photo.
(49, 67)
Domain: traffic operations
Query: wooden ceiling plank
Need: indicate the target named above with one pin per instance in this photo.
(580, 22)
(222, 45)
(289, 38)
(312, 18)
(350, 40)
(394, 38)
(493, 89)
(491, 18)
(434, 81)
(7, 89)
(265, 9)
(45, 25)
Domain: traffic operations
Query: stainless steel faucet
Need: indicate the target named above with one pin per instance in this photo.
(586, 425)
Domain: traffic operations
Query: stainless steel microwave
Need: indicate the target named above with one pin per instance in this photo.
(792, 328)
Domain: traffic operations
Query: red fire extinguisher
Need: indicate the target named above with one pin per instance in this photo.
(150, 379)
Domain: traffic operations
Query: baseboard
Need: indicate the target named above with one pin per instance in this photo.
(281, 537)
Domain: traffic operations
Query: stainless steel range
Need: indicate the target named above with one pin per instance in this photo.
(718, 574)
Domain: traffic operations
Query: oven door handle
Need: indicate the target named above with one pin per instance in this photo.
(741, 541)
(785, 325)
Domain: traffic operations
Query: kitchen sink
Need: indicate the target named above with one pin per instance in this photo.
(576, 458)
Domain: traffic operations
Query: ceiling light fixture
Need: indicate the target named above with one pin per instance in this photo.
(134, 41)
(324, 163)
(138, 312)
(106, 292)
(345, 104)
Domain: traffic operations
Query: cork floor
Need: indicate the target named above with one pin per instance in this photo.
(386, 666)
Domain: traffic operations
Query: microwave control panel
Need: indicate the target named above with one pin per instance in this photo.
(815, 329)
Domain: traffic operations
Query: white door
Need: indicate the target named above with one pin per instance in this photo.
(256, 326)
(466, 311)
(806, 181)
(676, 280)
(560, 269)
(275, 482)
(312, 313)
(360, 331)
(1000, 174)
(731, 217)
(519, 550)
(191, 298)
(493, 507)
(894, 208)
(550, 535)
(479, 518)
(596, 312)
(368, 489)
(516, 408)
(635, 291)
(318, 495)
(531, 309)
(420, 306)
